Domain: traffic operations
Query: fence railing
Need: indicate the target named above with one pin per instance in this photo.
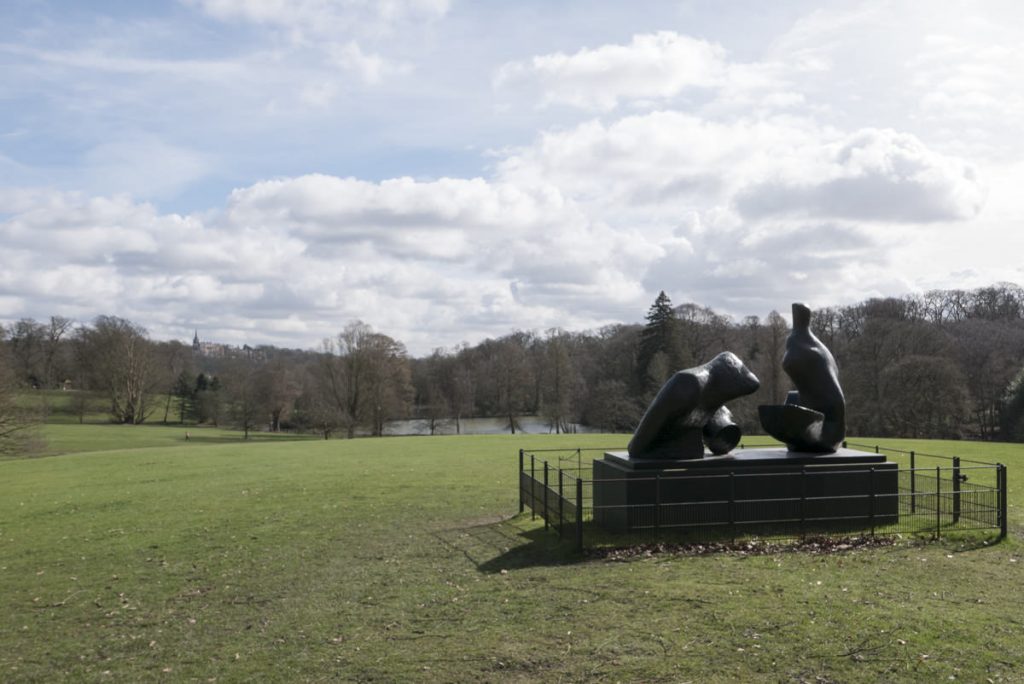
(931, 495)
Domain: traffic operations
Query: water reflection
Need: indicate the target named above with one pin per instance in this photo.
(475, 426)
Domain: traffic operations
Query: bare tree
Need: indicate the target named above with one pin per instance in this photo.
(989, 354)
(315, 408)
(388, 381)
(560, 381)
(923, 396)
(366, 376)
(611, 407)
(56, 331)
(432, 402)
(458, 387)
(15, 420)
(120, 360)
(245, 404)
(776, 333)
(332, 388)
(175, 362)
(702, 333)
(27, 343)
(278, 386)
(509, 370)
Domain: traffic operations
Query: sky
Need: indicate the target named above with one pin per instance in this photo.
(266, 171)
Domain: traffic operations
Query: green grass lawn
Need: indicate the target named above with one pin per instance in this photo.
(62, 433)
(395, 560)
(76, 406)
(66, 439)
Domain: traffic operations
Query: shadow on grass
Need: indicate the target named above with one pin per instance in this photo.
(505, 545)
(502, 545)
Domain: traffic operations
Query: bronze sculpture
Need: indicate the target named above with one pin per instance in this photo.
(689, 411)
(813, 419)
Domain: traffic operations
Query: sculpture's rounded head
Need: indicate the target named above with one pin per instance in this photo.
(731, 377)
(721, 433)
(801, 315)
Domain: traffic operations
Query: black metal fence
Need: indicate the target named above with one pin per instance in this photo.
(933, 495)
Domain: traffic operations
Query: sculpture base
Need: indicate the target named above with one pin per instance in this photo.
(752, 490)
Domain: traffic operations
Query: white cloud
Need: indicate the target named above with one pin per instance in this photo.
(95, 59)
(575, 231)
(944, 71)
(142, 166)
(433, 262)
(872, 175)
(334, 28)
(323, 17)
(651, 68)
(741, 212)
(371, 68)
(664, 162)
(447, 218)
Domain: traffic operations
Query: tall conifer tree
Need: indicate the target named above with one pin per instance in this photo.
(658, 353)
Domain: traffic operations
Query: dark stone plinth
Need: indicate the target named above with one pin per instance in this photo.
(751, 489)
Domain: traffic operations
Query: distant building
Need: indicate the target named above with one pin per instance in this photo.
(215, 350)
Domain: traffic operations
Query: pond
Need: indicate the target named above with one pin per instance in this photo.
(475, 426)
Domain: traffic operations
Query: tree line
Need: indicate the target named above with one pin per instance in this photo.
(945, 364)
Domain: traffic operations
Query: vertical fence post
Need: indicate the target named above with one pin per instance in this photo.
(876, 448)
(938, 502)
(956, 489)
(545, 493)
(913, 488)
(520, 476)
(579, 513)
(1003, 491)
(803, 501)
(561, 509)
(657, 502)
(533, 488)
(871, 499)
(579, 460)
(732, 504)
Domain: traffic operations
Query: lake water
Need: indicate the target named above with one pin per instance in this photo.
(475, 426)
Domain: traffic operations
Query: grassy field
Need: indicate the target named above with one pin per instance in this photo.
(62, 433)
(75, 406)
(66, 439)
(397, 560)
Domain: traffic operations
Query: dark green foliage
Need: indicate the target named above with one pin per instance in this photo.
(184, 392)
(207, 400)
(659, 352)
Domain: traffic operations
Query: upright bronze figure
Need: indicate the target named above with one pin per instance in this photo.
(813, 419)
(689, 411)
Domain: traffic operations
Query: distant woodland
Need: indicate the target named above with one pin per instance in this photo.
(945, 364)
